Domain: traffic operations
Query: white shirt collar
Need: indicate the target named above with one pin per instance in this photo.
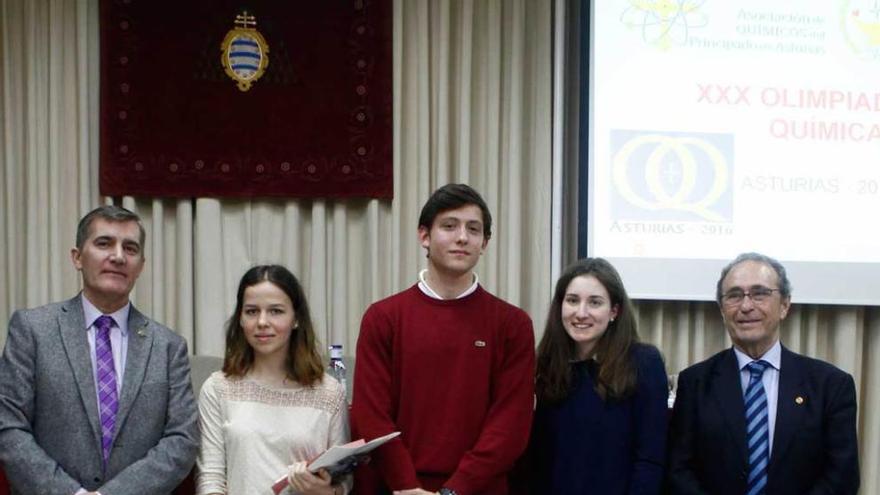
(92, 313)
(423, 285)
(772, 356)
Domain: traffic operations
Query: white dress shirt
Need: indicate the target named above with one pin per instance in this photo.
(423, 285)
(118, 345)
(118, 340)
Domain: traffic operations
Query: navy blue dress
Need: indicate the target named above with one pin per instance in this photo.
(584, 445)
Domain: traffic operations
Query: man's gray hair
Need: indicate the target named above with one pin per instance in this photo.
(111, 213)
(784, 284)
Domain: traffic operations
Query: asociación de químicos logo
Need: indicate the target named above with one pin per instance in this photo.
(860, 25)
(664, 23)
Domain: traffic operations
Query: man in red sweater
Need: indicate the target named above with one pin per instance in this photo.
(446, 363)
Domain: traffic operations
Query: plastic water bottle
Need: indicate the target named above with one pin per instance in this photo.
(336, 369)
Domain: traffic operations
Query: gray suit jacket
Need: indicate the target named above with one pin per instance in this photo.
(50, 435)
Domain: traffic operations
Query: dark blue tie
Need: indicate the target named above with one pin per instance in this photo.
(757, 429)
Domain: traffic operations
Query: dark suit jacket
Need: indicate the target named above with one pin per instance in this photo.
(814, 445)
(50, 434)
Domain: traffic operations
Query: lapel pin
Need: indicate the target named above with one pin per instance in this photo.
(798, 400)
(479, 343)
(142, 332)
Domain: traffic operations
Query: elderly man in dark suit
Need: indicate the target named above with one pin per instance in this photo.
(94, 396)
(758, 418)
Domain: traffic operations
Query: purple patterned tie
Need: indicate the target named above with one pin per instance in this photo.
(106, 383)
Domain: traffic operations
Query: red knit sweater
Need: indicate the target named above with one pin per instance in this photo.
(456, 377)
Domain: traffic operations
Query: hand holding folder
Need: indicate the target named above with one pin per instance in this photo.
(339, 459)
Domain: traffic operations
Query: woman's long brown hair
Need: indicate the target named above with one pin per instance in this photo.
(616, 377)
(303, 361)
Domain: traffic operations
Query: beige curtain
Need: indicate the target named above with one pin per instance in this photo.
(472, 104)
(48, 83)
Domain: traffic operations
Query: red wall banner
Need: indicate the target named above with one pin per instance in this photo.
(217, 98)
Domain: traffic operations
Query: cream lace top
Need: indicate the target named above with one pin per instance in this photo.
(251, 432)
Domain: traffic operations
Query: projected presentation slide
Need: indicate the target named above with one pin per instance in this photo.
(717, 127)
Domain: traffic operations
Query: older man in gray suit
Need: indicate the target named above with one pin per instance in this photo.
(94, 396)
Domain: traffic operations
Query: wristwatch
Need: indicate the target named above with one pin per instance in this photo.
(447, 491)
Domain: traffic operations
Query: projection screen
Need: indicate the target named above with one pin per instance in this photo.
(713, 128)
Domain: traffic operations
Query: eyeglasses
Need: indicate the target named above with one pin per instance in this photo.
(757, 294)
